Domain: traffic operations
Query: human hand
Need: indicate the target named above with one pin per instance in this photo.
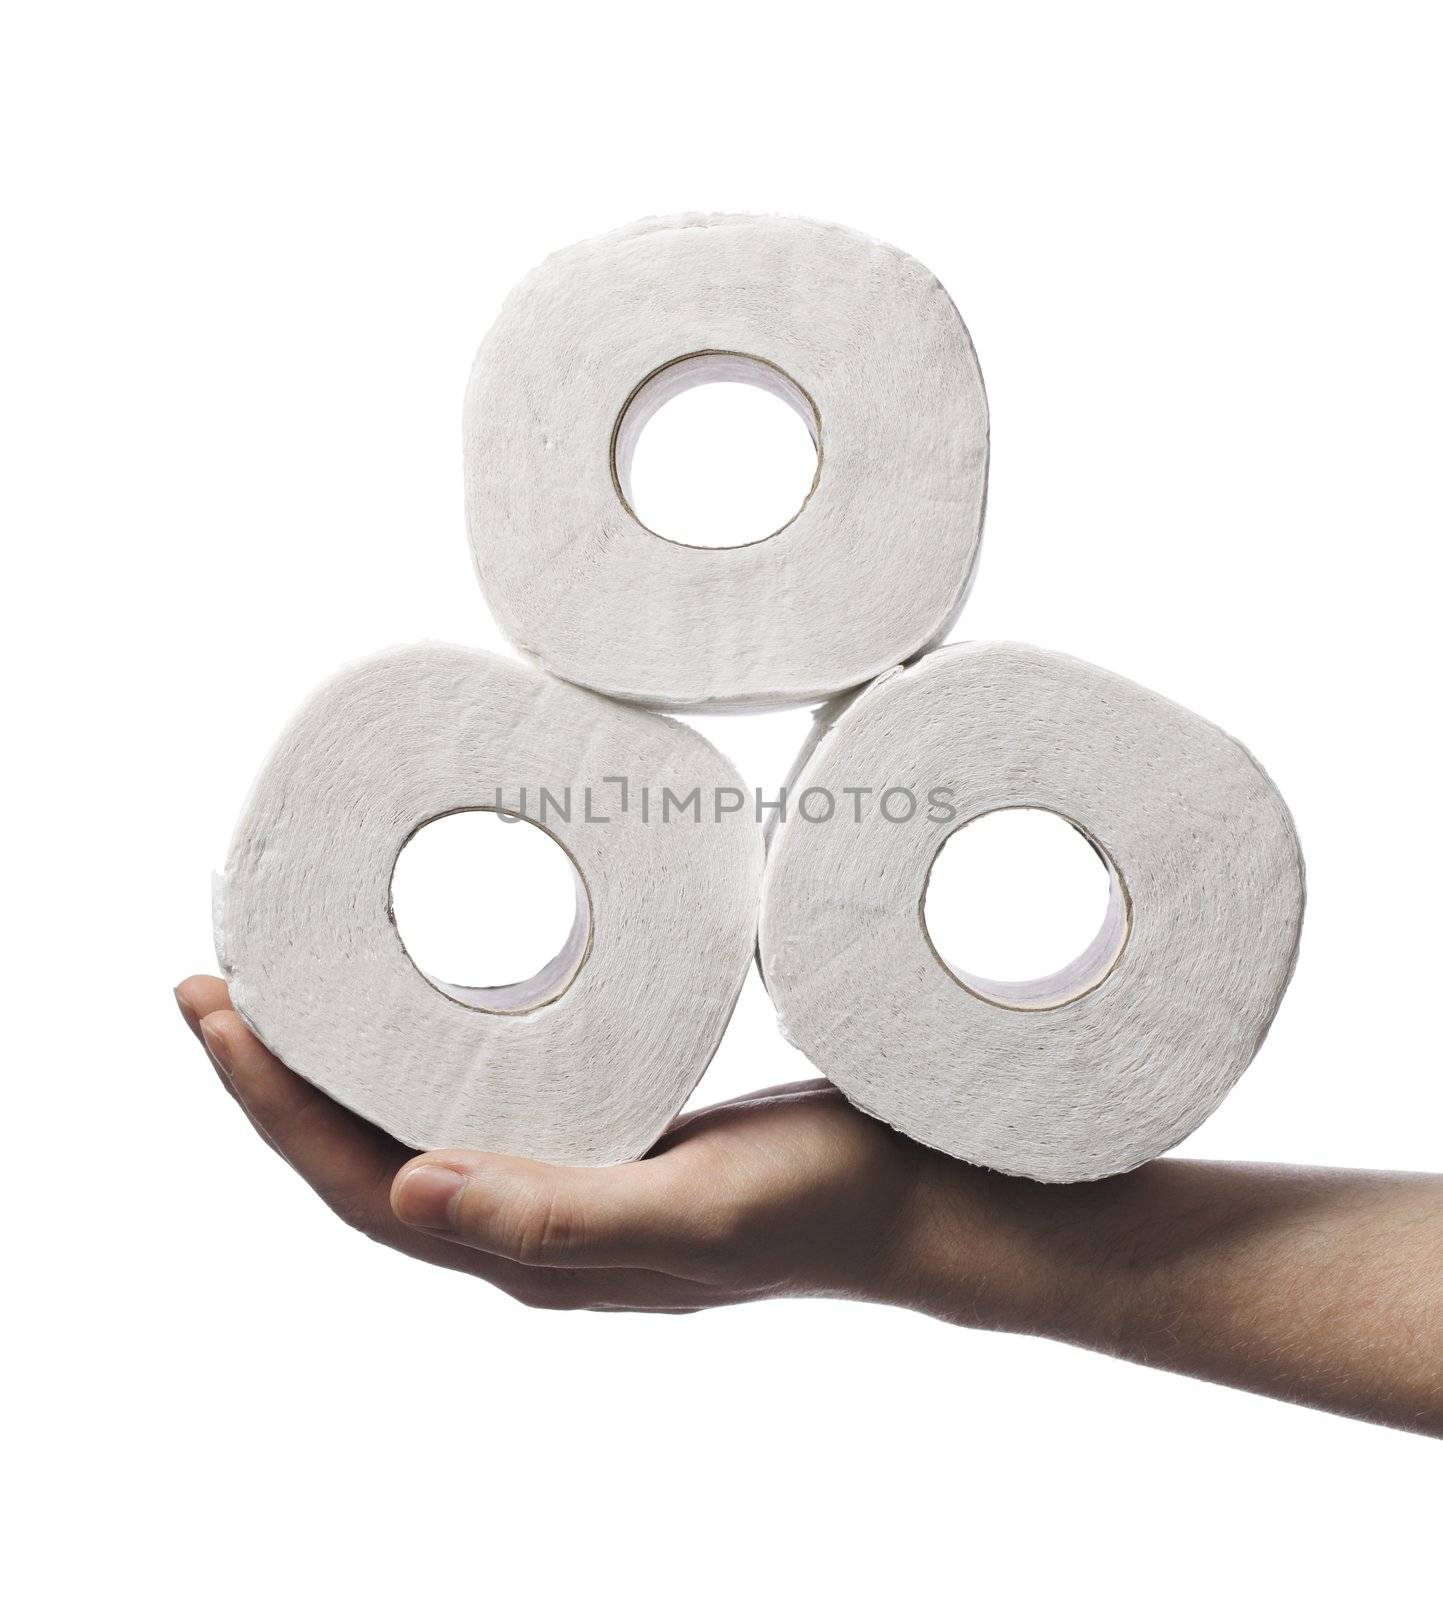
(1315, 1285)
(788, 1191)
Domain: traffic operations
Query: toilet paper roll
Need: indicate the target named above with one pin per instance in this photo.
(587, 1062)
(1105, 1064)
(860, 339)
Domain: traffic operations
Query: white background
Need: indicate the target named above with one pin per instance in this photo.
(251, 252)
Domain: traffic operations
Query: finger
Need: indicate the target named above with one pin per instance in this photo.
(638, 1215)
(351, 1164)
(339, 1154)
(348, 1161)
(197, 997)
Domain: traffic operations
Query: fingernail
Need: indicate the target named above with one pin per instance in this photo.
(215, 1043)
(186, 1010)
(427, 1197)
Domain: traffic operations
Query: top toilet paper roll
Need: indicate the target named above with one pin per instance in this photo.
(859, 338)
(585, 1063)
(1103, 1065)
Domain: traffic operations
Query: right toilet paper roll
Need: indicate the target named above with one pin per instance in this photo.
(1107, 1063)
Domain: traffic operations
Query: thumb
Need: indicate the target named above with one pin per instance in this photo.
(635, 1215)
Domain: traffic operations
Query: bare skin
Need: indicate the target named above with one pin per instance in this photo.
(1319, 1286)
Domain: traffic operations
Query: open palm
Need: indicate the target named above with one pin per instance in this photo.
(785, 1191)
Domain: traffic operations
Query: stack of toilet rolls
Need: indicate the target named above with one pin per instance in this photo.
(1091, 1071)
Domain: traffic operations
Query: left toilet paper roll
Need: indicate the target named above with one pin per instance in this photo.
(586, 1062)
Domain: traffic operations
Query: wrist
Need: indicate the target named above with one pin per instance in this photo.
(984, 1250)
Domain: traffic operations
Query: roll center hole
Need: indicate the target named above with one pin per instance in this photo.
(491, 910)
(716, 450)
(1025, 910)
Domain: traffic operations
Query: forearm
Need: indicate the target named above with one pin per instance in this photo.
(1314, 1285)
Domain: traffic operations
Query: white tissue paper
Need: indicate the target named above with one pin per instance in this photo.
(1105, 1064)
(587, 1062)
(859, 338)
